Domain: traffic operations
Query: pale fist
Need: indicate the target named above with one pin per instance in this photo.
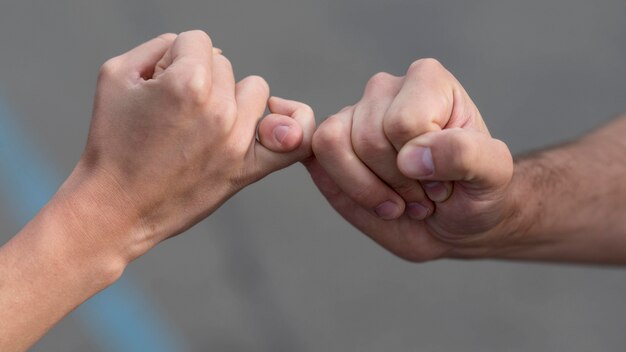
(413, 166)
(173, 136)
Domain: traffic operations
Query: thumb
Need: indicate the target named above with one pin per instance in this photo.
(457, 154)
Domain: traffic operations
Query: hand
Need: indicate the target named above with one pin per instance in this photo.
(413, 166)
(173, 137)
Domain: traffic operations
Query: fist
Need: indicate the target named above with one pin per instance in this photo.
(413, 165)
(173, 136)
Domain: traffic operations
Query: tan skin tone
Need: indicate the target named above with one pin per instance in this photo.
(372, 146)
(173, 136)
(413, 166)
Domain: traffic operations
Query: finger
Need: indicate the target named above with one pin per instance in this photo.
(438, 191)
(141, 61)
(300, 120)
(426, 102)
(189, 59)
(223, 82)
(333, 149)
(374, 149)
(410, 243)
(194, 46)
(471, 157)
(361, 218)
(280, 133)
(251, 94)
(166, 61)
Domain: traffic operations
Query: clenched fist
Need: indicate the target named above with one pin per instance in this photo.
(173, 136)
(413, 166)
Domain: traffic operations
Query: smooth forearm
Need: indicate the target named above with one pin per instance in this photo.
(571, 200)
(171, 139)
(49, 268)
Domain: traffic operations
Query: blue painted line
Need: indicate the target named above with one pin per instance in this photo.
(119, 318)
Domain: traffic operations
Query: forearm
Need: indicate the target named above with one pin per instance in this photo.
(49, 268)
(571, 200)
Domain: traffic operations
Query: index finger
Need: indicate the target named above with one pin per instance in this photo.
(425, 103)
(143, 58)
(191, 48)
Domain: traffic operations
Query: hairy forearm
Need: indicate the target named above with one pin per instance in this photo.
(571, 200)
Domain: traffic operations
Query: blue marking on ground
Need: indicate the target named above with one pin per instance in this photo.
(119, 318)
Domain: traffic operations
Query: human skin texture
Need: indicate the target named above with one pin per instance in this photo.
(173, 136)
(413, 166)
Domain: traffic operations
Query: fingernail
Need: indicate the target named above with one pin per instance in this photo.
(217, 51)
(420, 162)
(436, 191)
(417, 211)
(387, 210)
(281, 132)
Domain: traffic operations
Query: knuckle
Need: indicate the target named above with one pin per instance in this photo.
(192, 87)
(426, 64)
(401, 122)
(197, 33)
(379, 81)
(258, 83)
(370, 142)
(110, 68)
(406, 122)
(328, 136)
(167, 37)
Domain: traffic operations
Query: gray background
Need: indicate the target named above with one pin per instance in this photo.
(276, 269)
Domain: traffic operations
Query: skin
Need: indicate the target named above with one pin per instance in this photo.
(413, 166)
(173, 136)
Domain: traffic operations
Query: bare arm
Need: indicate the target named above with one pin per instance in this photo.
(173, 136)
(413, 166)
(571, 200)
(53, 265)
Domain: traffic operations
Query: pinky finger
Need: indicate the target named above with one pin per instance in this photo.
(284, 136)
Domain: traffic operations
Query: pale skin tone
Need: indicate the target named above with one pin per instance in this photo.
(412, 165)
(173, 136)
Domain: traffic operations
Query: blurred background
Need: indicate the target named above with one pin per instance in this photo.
(276, 269)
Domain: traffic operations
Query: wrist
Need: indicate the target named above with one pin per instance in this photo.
(77, 236)
(528, 230)
(97, 224)
(556, 214)
(49, 268)
(57, 254)
(523, 202)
